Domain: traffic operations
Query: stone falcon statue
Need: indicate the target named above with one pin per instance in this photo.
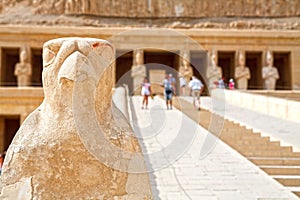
(54, 153)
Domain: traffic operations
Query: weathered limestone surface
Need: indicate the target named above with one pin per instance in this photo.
(49, 157)
(167, 8)
(230, 14)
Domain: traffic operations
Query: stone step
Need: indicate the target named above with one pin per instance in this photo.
(244, 137)
(297, 193)
(295, 190)
(288, 180)
(281, 170)
(254, 147)
(238, 130)
(250, 140)
(271, 154)
(258, 143)
(275, 161)
(242, 133)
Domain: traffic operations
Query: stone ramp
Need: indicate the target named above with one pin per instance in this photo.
(180, 173)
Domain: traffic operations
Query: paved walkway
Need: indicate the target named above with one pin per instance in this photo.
(287, 132)
(172, 143)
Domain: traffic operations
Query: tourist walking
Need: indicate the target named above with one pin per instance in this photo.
(231, 84)
(196, 89)
(145, 92)
(169, 90)
(182, 83)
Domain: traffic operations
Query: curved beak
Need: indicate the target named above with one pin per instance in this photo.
(77, 67)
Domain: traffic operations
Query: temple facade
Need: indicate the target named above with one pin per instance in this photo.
(162, 31)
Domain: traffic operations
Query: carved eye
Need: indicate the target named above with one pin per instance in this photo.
(48, 57)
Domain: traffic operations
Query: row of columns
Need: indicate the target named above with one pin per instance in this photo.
(269, 74)
(213, 71)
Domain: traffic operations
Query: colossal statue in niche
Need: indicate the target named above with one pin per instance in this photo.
(242, 73)
(269, 73)
(185, 70)
(138, 70)
(185, 73)
(23, 69)
(214, 72)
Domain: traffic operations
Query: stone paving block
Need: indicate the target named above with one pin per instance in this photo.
(230, 195)
(171, 196)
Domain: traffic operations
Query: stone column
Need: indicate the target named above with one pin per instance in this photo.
(1, 66)
(295, 70)
(2, 134)
(138, 70)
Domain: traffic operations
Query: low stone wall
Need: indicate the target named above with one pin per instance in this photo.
(20, 101)
(278, 107)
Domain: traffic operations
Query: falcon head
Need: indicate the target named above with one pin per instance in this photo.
(67, 60)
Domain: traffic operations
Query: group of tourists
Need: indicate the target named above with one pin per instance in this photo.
(169, 84)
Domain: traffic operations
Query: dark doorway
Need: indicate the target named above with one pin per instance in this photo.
(11, 126)
(282, 62)
(123, 66)
(37, 67)
(166, 58)
(199, 64)
(254, 62)
(166, 61)
(10, 57)
(226, 62)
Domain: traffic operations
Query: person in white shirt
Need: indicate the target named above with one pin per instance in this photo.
(182, 85)
(146, 92)
(196, 89)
